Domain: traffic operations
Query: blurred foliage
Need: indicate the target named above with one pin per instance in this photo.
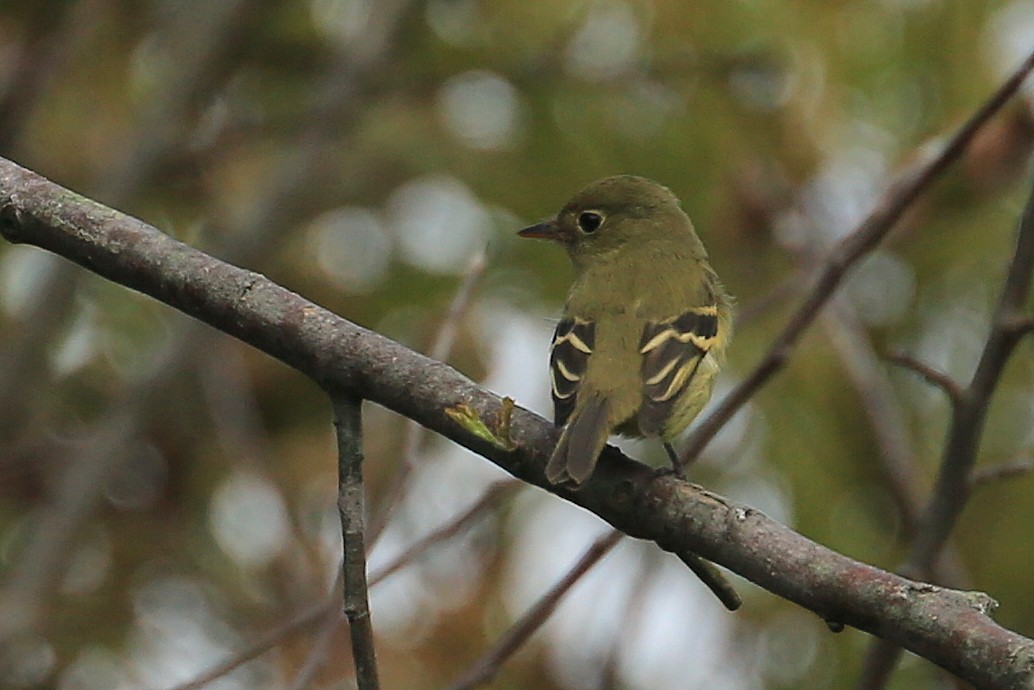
(777, 123)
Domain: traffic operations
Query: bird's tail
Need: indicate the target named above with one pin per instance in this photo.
(580, 444)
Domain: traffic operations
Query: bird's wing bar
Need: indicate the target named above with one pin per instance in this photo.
(672, 350)
(569, 353)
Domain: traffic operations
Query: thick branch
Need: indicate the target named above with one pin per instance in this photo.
(950, 628)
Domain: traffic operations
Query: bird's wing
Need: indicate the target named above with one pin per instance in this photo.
(672, 351)
(568, 358)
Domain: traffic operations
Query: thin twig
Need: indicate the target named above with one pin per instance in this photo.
(440, 349)
(485, 668)
(495, 493)
(632, 621)
(713, 578)
(895, 201)
(852, 344)
(1012, 469)
(784, 291)
(881, 405)
(445, 339)
(949, 386)
(305, 619)
(351, 507)
(317, 655)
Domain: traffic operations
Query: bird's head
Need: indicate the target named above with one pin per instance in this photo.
(614, 213)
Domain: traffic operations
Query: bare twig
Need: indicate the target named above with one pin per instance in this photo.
(631, 623)
(712, 577)
(492, 496)
(780, 294)
(1012, 469)
(351, 507)
(309, 617)
(845, 254)
(317, 655)
(881, 405)
(949, 386)
(445, 339)
(1018, 325)
(485, 668)
(441, 348)
(887, 418)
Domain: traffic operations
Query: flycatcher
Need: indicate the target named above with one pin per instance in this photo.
(645, 326)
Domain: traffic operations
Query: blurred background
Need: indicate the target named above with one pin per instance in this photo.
(167, 495)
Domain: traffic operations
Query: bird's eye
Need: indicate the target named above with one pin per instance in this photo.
(589, 221)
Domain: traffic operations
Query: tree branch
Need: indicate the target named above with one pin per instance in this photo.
(950, 628)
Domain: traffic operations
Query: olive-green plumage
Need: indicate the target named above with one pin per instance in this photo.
(645, 325)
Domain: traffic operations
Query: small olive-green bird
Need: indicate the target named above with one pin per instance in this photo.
(645, 325)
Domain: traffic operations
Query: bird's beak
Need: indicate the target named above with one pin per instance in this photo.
(542, 231)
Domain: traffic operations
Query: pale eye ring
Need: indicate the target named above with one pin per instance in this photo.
(590, 221)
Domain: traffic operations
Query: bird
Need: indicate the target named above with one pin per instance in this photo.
(644, 328)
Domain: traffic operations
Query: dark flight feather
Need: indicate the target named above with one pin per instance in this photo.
(573, 342)
(672, 351)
